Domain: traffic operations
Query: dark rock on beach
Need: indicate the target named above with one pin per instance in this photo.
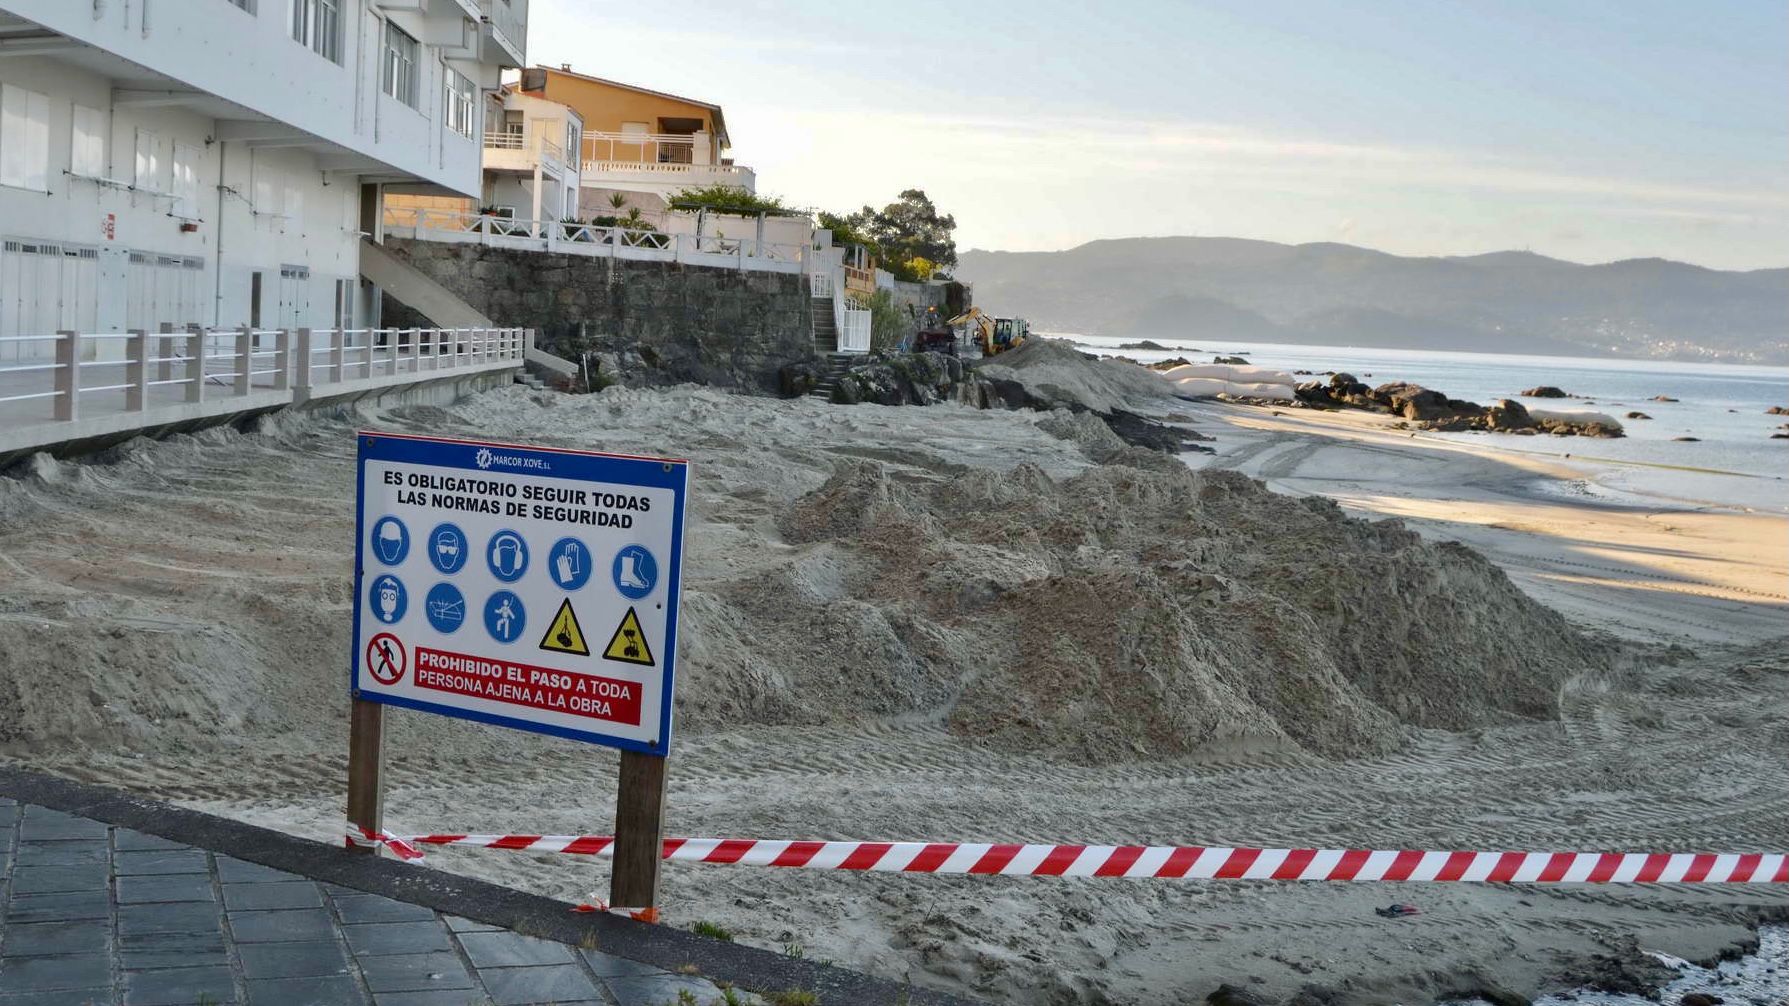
(1777, 410)
(1145, 344)
(1544, 391)
(1688, 440)
(1178, 361)
(797, 379)
(1637, 415)
(1234, 360)
(1663, 398)
(1426, 409)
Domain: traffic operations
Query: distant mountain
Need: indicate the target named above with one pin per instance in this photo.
(1215, 289)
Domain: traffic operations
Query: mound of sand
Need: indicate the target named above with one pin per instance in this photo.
(1057, 374)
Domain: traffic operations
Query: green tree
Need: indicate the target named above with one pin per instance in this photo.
(728, 199)
(910, 235)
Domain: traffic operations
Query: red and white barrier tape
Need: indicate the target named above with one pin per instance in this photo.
(1170, 862)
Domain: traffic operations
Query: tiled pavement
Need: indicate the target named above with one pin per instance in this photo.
(93, 914)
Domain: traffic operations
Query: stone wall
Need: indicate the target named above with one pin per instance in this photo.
(644, 323)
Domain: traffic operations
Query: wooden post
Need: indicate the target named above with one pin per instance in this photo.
(282, 360)
(366, 790)
(68, 375)
(245, 359)
(196, 350)
(307, 355)
(639, 831)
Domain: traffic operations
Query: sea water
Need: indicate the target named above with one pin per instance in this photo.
(1722, 405)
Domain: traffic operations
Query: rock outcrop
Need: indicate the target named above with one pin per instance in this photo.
(1544, 391)
(1431, 410)
(912, 379)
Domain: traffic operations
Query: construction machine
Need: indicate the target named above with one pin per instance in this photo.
(995, 335)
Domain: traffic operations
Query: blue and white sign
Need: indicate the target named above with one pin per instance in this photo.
(391, 541)
(447, 548)
(388, 599)
(635, 572)
(546, 586)
(446, 608)
(571, 564)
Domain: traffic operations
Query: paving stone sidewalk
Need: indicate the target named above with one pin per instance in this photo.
(95, 914)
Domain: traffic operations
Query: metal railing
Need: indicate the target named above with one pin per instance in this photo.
(292, 365)
(638, 148)
(505, 141)
(715, 250)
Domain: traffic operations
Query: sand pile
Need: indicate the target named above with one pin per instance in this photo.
(1035, 601)
(1058, 375)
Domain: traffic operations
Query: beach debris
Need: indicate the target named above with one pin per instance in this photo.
(1397, 911)
(1544, 391)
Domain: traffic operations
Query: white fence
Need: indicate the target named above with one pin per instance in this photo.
(115, 382)
(854, 331)
(745, 254)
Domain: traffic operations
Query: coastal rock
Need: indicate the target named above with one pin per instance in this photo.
(1777, 410)
(1508, 414)
(1236, 360)
(797, 379)
(1544, 391)
(1637, 415)
(1687, 440)
(1145, 344)
(909, 379)
(1700, 999)
(1414, 402)
(1663, 398)
(1178, 361)
(1779, 436)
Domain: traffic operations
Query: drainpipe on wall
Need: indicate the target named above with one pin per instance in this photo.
(217, 297)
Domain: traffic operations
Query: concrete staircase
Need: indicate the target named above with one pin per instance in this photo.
(422, 294)
(826, 330)
(835, 365)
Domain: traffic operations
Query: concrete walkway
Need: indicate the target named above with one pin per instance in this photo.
(111, 898)
(98, 914)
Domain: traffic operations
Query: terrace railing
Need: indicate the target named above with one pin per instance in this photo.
(745, 254)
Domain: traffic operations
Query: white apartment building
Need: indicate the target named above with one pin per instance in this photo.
(217, 162)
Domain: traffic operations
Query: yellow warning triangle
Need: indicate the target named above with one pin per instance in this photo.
(628, 645)
(564, 635)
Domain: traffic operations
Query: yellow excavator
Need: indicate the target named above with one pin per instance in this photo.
(996, 335)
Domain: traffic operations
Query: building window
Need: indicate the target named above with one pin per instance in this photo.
(462, 98)
(399, 77)
(186, 181)
(149, 162)
(87, 147)
(24, 138)
(572, 136)
(317, 24)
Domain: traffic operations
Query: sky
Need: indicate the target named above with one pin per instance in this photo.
(1590, 130)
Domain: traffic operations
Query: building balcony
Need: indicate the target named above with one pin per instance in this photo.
(506, 21)
(520, 153)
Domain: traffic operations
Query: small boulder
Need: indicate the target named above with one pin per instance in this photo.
(1544, 391)
(1234, 360)
(1231, 995)
(1700, 999)
(1638, 415)
(1507, 415)
(1688, 440)
(1145, 344)
(1779, 436)
(1777, 410)
(797, 379)
(1663, 398)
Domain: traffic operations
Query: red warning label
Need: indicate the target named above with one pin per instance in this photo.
(586, 695)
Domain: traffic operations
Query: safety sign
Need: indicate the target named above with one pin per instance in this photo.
(479, 566)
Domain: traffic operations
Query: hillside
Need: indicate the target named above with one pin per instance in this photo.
(1335, 294)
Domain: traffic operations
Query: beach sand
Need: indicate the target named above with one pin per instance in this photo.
(193, 597)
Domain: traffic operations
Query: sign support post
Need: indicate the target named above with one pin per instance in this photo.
(639, 831)
(366, 754)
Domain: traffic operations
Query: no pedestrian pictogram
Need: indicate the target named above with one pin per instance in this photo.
(385, 658)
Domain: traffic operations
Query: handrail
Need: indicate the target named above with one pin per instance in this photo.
(289, 366)
(593, 240)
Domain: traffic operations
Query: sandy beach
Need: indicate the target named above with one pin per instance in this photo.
(946, 624)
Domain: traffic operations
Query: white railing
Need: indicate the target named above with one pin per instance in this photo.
(505, 141)
(638, 148)
(854, 330)
(163, 375)
(591, 240)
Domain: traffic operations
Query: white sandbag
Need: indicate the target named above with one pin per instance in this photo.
(1200, 387)
(1276, 392)
(1231, 372)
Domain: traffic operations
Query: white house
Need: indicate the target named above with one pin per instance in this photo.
(531, 167)
(216, 162)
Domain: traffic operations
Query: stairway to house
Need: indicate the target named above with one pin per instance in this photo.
(826, 329)
(835, 365)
